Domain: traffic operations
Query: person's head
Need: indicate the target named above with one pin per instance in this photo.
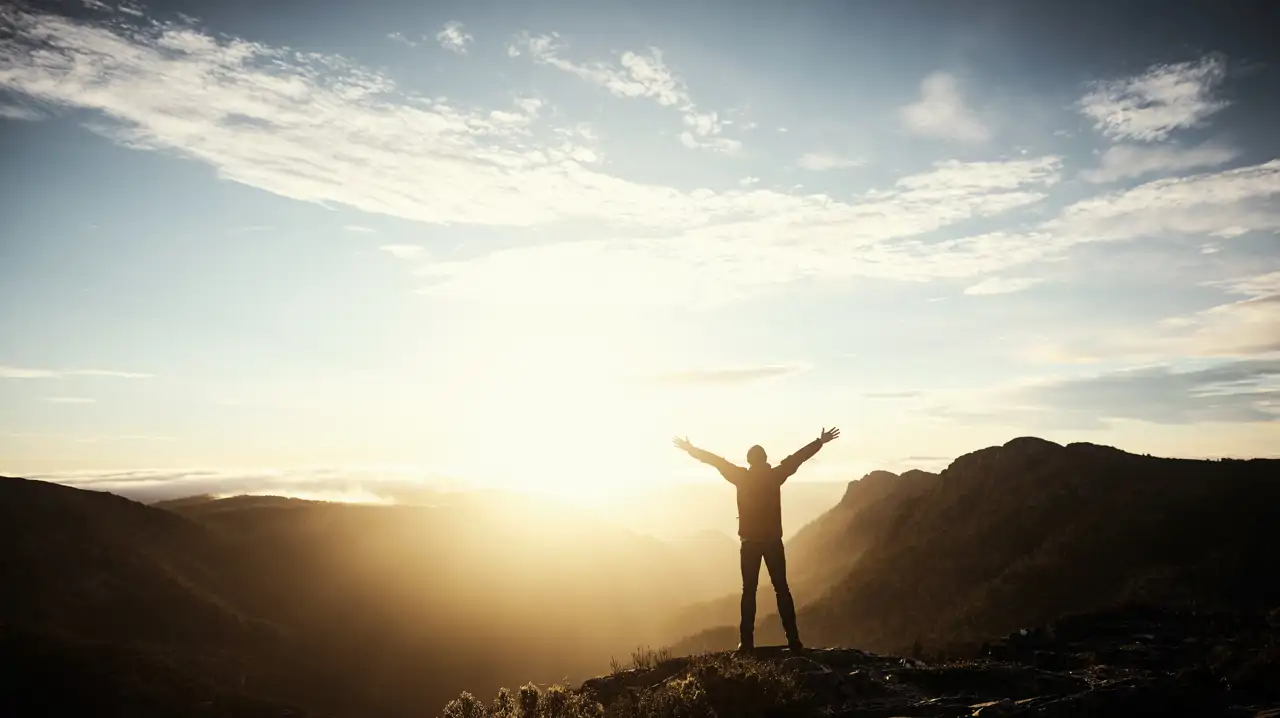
(756, 456)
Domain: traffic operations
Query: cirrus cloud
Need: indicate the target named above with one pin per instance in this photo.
(1002, 285)
(722, 376)
(1163, 99)
(822, 161)
(18, 372)
(454, 38)
(634, 74)
(941, 112)
(271, 117)
(1233, 392)
(1125, 161)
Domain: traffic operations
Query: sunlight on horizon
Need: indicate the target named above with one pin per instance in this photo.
(349, 496)
(541, 402)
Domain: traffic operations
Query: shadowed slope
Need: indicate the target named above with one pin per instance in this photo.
(353, 610)
(1017, 534)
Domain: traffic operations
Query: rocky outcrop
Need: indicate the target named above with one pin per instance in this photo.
(1130, 662)
(1018, 534)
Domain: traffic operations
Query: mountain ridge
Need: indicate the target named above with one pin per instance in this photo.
(939, 558)
(331, 605)
(385, 611)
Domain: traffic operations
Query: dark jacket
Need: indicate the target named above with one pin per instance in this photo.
(759, 490)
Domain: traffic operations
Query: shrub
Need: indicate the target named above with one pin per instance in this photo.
(643, 658)
(529, 702)
(465, 706)
(721, 686)
(716, 686)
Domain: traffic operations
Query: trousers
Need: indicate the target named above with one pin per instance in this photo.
(752, 551)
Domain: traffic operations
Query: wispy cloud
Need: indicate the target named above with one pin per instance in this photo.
(356, 484)
(816, 238)
(891, 395)
(19, 112)
(748, 181)
(28, 436)
(941, 112)
(124, 438)
(1226, 204)
(1240, 391)
(634, 74)
(17, 372)
(1196, 204)
(695, 141)
(270, 118)
(1002, 285)
(454, 38)
(403, 251)
(1126, 161)
(358, 229)
(1246, 328)
(720, 376)
(151, 79)
(108, 373)
(400, 38)
(821, 161)
(1254, 286)
(1153, 105)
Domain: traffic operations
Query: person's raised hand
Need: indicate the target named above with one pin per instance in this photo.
(829, 434)
(682, 444)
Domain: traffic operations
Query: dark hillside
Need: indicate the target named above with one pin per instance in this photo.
(818, 556)
(1018, 534)
(100, 566)
(345, 609)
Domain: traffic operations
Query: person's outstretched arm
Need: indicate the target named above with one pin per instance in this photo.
(727, 469)
(789, 465)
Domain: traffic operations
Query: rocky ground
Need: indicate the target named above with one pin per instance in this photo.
(1123, 663)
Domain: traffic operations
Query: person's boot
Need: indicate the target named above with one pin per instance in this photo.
(787, 612)
(747, 622)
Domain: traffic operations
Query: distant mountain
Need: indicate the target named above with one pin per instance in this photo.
(103, 567)
(1018, 534)
(818, 555)
(244, 606)
(665, 510)
(341, 609)
(825, 550)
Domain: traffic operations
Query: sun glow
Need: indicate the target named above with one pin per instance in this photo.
(546, 406)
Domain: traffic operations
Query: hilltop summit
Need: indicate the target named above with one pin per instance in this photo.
(1123, 662)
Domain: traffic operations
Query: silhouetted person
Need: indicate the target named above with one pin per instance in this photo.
(759, 489)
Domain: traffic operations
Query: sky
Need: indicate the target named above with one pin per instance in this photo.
(524, 244)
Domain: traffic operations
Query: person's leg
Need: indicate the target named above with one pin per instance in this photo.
(750, 553)
(775, 559)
